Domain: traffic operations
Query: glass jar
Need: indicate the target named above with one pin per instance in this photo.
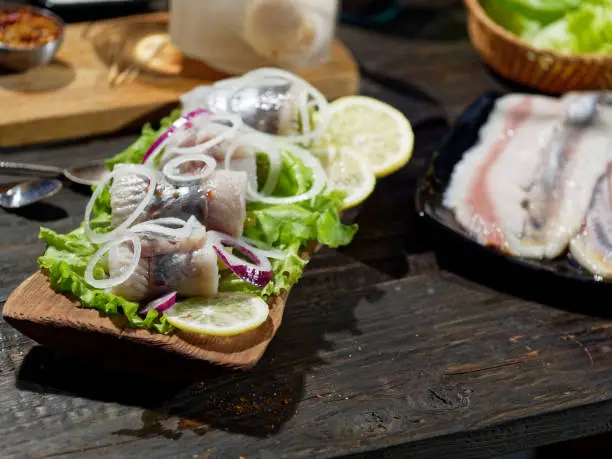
(236, 36)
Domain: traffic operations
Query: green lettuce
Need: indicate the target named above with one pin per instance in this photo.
(290, 228)
(543, 11)
(64, 263)
(510, 19)
(567, 26)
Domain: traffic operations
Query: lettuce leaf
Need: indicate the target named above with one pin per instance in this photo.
(511, 20)
(588, 29)
(66, 256)
(543, 11)
(569, 26)
(64, 263)
(292, 227)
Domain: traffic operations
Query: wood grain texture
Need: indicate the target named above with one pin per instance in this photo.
(403, 344)
(106, 79)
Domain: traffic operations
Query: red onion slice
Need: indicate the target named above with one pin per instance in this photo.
(258, 273)
(161, 304)
(218, 137)
(181, 123)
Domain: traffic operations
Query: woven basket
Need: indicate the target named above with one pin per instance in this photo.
(547, 71)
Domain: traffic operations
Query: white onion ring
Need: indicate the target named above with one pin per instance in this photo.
(265, 146)
(125, 275)
(123, 169)
(265, 249)
(319, 175)
(226, 135)
(209, 161)
(177, 128)
(319, 99)
(156, 226)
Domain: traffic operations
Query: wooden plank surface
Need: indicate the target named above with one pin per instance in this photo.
(108, 77)
(403, 344)
(53, 319)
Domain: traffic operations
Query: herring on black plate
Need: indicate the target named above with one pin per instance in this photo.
(526, 177)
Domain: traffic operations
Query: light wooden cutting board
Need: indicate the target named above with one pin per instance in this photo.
(117, 74)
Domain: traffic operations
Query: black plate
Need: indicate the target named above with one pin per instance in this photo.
(464, 135)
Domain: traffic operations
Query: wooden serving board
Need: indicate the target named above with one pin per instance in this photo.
(54, 320)
(117, 74)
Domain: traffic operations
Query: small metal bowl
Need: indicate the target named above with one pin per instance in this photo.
(22, 59)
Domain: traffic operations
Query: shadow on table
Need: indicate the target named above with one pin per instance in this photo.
(51, 77)
(391, 235)
(512, 86)
(389, 228)
(40, 212)
(495, 272)
(202, 397)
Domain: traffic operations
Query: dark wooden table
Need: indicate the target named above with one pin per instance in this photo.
(403, 344)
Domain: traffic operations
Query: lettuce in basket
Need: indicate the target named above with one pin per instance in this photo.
(567, 26)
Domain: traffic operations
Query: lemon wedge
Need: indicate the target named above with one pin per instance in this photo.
(350, 173)
(374, 130)
(224, 314)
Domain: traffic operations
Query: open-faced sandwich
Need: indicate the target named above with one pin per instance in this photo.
(201, 223)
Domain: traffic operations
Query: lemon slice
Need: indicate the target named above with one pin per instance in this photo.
(376, 131)
(350, 173)
(224, 314)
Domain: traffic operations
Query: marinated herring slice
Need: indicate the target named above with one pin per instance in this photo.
(514, 190)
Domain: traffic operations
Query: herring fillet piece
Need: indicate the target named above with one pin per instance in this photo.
(469, 194)
(500, 192)
(189, 273)
(136, 287)
(592, 247)
(218, 202)
(566, 205)
(226, 197)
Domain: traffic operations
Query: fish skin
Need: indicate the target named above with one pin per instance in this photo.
(218, 202)
(126, 192)
(194, 273)
(156, 244)
(592, 247)
(226, 193)
(136, 287)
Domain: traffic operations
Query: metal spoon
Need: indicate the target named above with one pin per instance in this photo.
(90, 173)
(27, 193)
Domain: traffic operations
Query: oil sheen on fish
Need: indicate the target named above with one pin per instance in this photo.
(519, 190)
(592, 247)
(218, 202)
(188, 272)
